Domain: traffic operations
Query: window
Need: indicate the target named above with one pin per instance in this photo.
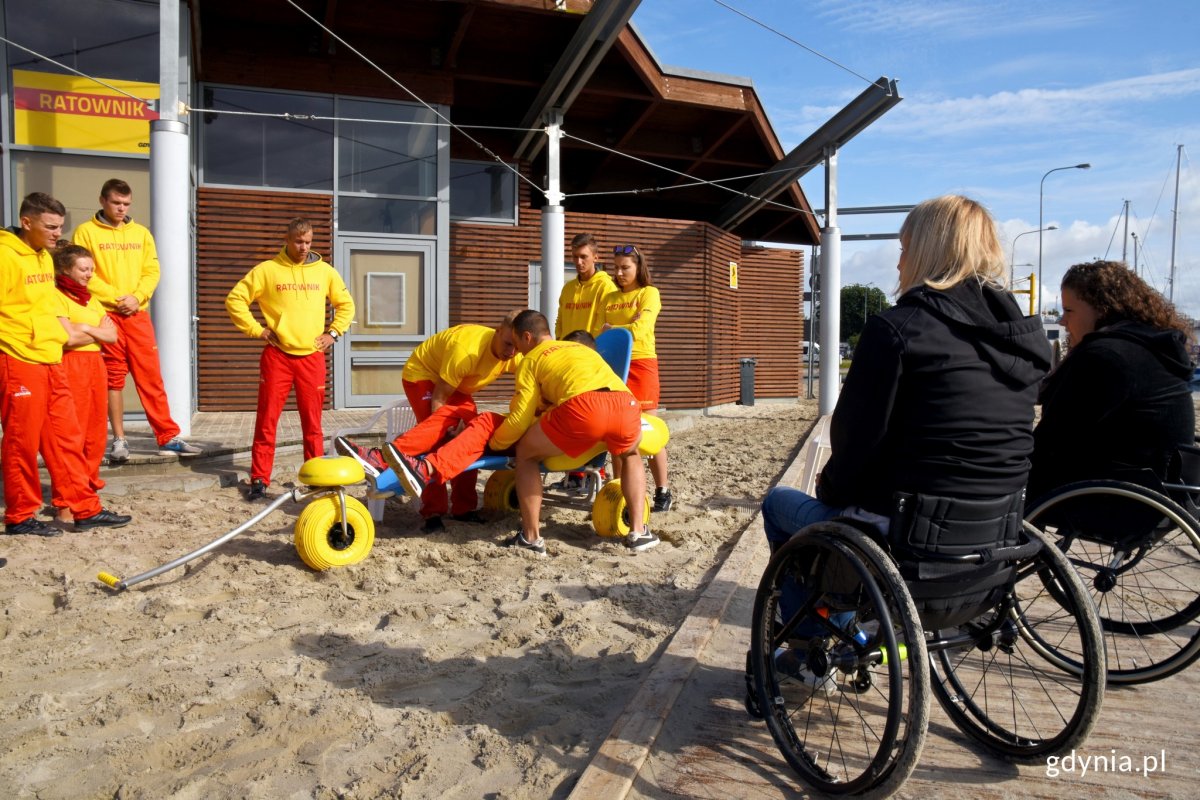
(267, 151)
(387, 172)
(112, 38)
(483, 191)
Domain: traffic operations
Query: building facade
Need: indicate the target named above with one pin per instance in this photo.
(411, 134)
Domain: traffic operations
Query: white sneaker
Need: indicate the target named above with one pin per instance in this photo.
(119, 451)
(789, 663)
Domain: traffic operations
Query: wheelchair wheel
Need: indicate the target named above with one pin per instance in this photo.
(1146, 585)
(500, 491)
(851, 720)
(1027, 678)
(319, 537)
(610, 517)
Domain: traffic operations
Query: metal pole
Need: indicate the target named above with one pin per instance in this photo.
(1175, 225)
(553, 221)
(172, 305)
(1041, 195)
(831, 291)
(1125, 237)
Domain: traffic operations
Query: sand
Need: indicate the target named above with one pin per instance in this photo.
(440, 666)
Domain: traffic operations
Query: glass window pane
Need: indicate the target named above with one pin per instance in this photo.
(383, 158)
(108, 38)
(482, 191)
(388, 289)
(381, 215)
(267, 151)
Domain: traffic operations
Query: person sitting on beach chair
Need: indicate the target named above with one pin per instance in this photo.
(587, 403)
(439, 380)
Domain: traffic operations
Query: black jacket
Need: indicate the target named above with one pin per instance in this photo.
(939, 399)
(1120, 398)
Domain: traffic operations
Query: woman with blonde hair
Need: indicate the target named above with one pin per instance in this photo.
(939, 397)
(1120, 400)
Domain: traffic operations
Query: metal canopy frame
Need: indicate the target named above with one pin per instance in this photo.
(869, 106)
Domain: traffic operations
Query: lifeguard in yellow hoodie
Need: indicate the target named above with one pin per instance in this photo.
(127, 273)
(291, 290)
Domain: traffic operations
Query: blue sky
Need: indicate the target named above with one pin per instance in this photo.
(995, 94)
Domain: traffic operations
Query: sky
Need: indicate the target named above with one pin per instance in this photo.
(996, 94)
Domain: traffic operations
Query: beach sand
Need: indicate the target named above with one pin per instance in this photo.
(440, 666)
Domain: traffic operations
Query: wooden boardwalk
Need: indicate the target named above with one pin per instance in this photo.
(686, 734)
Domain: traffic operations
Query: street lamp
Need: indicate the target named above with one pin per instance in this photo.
(1041, 187)
(1012, 260)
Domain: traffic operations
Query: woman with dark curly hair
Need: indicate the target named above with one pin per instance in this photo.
(1120, 399)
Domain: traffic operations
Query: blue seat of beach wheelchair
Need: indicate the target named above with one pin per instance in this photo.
(615, 346)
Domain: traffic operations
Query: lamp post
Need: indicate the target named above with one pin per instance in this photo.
(1041, 195)
(1012, 276)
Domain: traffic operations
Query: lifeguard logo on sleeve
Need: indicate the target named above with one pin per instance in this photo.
(69, 111)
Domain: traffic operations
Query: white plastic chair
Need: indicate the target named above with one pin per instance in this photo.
(399, 417)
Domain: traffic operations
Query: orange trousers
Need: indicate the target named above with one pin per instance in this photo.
(278, 373)
(425, 438)
(38, 412)
(136, 351)
(88, 382)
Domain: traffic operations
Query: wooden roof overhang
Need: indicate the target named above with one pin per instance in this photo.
(641, 139)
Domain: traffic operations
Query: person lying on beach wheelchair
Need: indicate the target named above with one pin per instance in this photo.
(930, 444)
(1114, 469)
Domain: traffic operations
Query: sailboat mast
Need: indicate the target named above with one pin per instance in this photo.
(1125, 237)
(1175, 222)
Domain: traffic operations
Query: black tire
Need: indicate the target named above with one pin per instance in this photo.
(1146, 587)
(1034, 687)
(865, 736)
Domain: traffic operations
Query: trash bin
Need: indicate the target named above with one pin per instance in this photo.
(747, 398)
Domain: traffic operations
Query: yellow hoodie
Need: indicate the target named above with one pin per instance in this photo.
(29, 326)
(291, 297)
(550, 375)
(460, 356)
(636, 311)
(126, 260)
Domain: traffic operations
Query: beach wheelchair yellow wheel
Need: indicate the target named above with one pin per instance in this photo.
(609, 515)
(500, 491)
(320, 539)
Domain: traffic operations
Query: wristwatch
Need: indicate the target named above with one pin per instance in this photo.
(334, 334)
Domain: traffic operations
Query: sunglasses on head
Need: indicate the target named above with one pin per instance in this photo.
(624, 250)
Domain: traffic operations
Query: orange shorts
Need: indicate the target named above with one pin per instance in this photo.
(643, 382)
(577, 424)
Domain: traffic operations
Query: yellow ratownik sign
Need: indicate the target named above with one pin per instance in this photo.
(75, 113)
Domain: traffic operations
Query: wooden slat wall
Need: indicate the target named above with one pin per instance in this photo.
(705, 326)
(236, 229)
(704, 329)
(771, 319)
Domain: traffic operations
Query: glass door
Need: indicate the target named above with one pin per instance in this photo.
(392, 283)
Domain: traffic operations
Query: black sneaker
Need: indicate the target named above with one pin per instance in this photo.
(432, 525)
(103, 519)
(662, 500)
(31, 527)
(470, 517)
(637, 541)
(371, 459)
(517, 540)
(414, 473)
(257, 490)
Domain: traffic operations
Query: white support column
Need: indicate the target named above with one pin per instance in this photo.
(831, 292)
(553, 222)
(172, 305)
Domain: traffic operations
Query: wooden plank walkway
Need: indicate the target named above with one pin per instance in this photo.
(686, 733)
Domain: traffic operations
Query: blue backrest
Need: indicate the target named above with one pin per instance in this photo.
(615, 346)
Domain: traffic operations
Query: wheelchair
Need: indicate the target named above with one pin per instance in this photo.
(1136, 543)
(851, 631)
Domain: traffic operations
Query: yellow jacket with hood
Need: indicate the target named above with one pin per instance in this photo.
(126, 260)
(291, 297)
(29, 326)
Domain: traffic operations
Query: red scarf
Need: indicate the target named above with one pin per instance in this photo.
(73, 289)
